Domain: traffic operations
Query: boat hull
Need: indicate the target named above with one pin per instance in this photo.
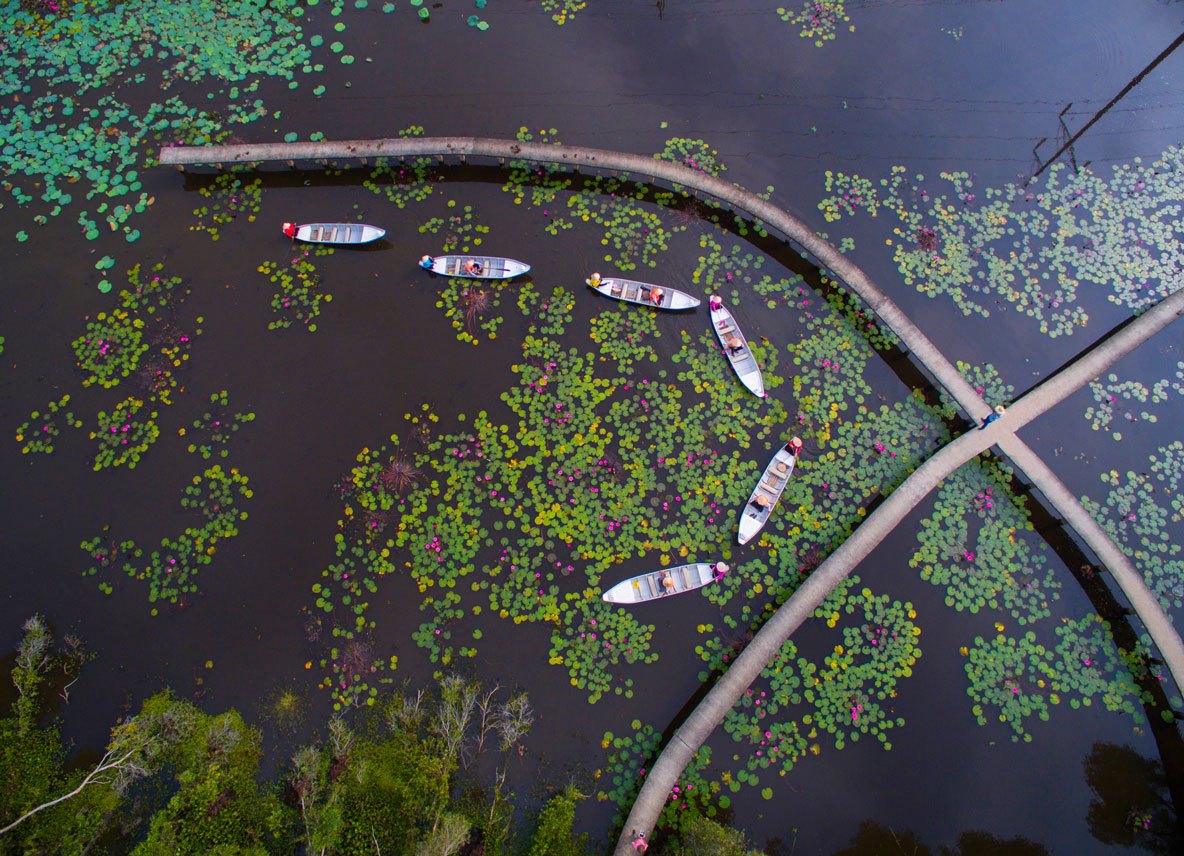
(337, 233)
(632, 291)
(489, 267)
(743, 362)
(771, 485)
(647, 587)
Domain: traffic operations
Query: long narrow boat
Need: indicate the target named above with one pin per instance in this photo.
(474, 267)
(736, 349)
(333, 233)
(767, 493)
(644, 293)
(649, 586)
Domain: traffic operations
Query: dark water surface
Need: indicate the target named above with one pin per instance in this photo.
(901, 89)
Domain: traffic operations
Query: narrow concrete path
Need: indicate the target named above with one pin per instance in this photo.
(745, 669)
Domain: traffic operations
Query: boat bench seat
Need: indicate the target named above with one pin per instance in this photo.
(685, 579)
(725, 328)
(652, 579)
(631, 292)
(615, 290)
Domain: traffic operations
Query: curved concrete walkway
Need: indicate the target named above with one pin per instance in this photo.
(889, 313)
(746, 668)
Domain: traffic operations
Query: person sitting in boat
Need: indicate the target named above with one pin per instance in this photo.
(594, 280)
(761, 503)
(656, 295)
(720, 569)
(427, 262)
(794, 446)
(472, 267)
(735, 345)
(667, 583)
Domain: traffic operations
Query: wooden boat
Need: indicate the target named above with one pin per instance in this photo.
(474, 267)
(333, 233)
(766, 494)
(632, 291)
(742, 360)
(649, 586)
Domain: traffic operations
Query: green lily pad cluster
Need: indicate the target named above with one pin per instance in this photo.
(1106, 399)
(212, 432)
(299, 297)
(987, 383)
(563, 11)
(171, 571)
(131, 344)
(460, 233)
(1033, 246)
(976, 544)
(67, 132)
(819, 20)
(846, 693)
(124, 435)
(628, 759)
(405, 181)
(228, 198)
(1014, 679)
(39, 434)
(515, 516)
(1145, 528)
(596, 636)
(634, 230)
(694, 154)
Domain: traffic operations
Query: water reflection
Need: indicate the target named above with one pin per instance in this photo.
(875, 839)
(1132, 804)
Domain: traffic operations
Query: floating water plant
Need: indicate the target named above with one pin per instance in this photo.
(39, 434)
(228, 198)
(171, 571)
(976, 545)
(1106, 399)
(1032, 245)
(124, 435)
(563, 11)
(1015, 679)
(695, 154)
(819, 20)
(299, 297)
(1142, 526)
(212, 432)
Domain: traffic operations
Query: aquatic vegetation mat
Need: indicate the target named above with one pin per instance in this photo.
(171, 572)
(1032, 247)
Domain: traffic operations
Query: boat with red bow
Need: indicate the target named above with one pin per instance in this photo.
(333, 233)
